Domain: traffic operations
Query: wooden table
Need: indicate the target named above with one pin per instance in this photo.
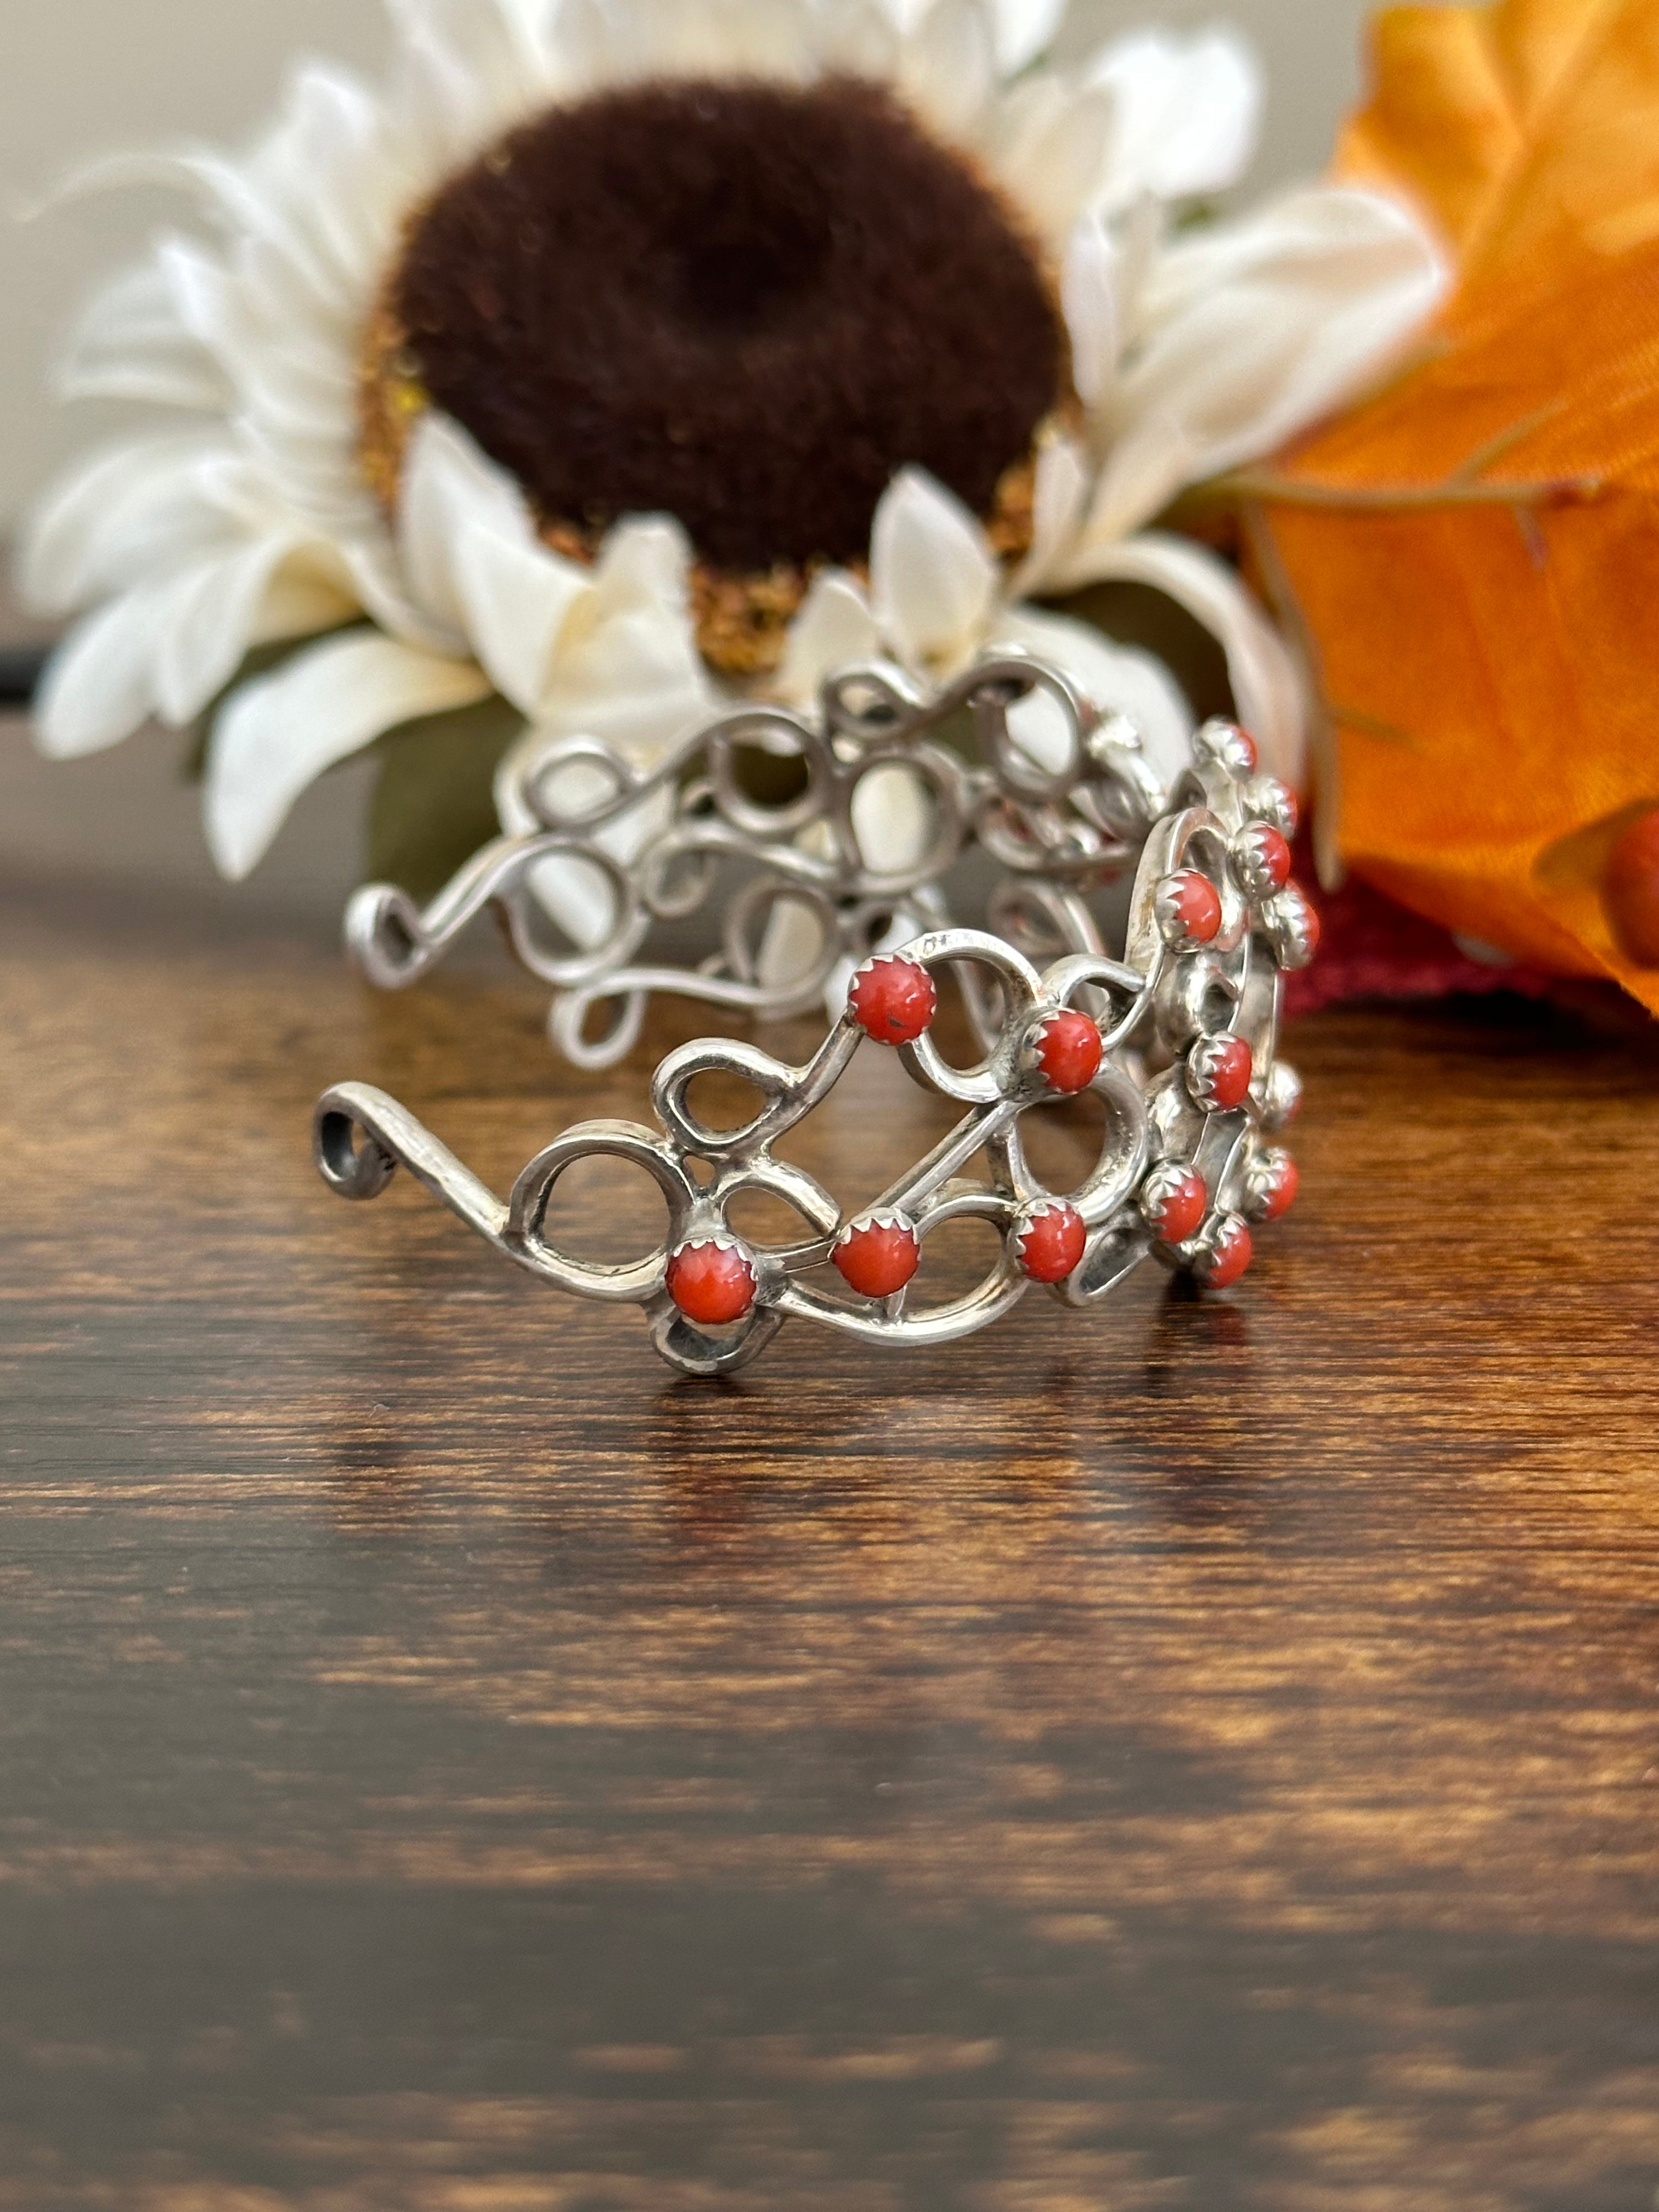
(1202, 1755)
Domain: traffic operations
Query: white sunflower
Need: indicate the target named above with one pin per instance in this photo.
(620, 355)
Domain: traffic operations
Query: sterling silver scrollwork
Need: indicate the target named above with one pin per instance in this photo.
(1060, 802)
(1178, 1039)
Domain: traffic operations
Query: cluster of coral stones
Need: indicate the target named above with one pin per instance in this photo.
(894, 1000)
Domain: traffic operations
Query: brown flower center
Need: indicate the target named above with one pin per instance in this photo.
(747, 305)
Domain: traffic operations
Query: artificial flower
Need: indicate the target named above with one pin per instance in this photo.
(619, 358)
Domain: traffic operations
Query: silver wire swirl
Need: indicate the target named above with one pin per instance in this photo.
(660, 843)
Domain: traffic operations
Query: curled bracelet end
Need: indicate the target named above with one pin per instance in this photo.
(349, 1157)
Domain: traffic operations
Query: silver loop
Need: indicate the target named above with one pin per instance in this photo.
(752, 912)
(536, 785)
(567, 1025)
(776, 1083)
(525, 1230)
(1121, 1163)
(665, 841)
(1020, 989)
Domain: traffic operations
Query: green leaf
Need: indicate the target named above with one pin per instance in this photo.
(433, 802)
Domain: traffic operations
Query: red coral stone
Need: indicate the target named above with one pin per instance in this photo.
(1051, 1242)
(1267, 855)
(1219, 1073)
(1281, 1185)
(1629, 891)
(1233, 1253)
(1303, 916)
(893, 1000)
(1228, 1257)
(1175, 1203)
(878, 1255)
(1189, 906)
(713, 1283)
(1069, 1051)
(1281, 802)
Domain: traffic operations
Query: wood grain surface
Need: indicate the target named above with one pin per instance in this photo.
(1202, 1755)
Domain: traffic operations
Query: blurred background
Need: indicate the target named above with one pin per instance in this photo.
(81, 77)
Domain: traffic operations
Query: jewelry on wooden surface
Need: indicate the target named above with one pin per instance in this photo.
(1178, 1039)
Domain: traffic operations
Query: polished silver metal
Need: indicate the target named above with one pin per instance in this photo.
(1161, 1011)
(664, 844)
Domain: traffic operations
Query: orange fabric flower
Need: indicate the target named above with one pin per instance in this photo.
(1473, 554)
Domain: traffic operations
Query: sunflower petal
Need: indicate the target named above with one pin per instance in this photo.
(1269, 689)
(99, 686)
(1050, 146)
(947, 69)
(645, 563)
(858, 38)
(1089, 298)
(280, 732)
(213, 618)
(473, 67)
(310, 593)
(216, 183)
(328, 196)
(1118, 678)
(1258, 328)
(1025, 28)
(116, 512)
(1154, 458)
(834, 630)
(1059, 501)
(448, 486)
(517, 601)
(934, 577)
(637, 682)
(1186, 113)
(130, 343)
(892, 819)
